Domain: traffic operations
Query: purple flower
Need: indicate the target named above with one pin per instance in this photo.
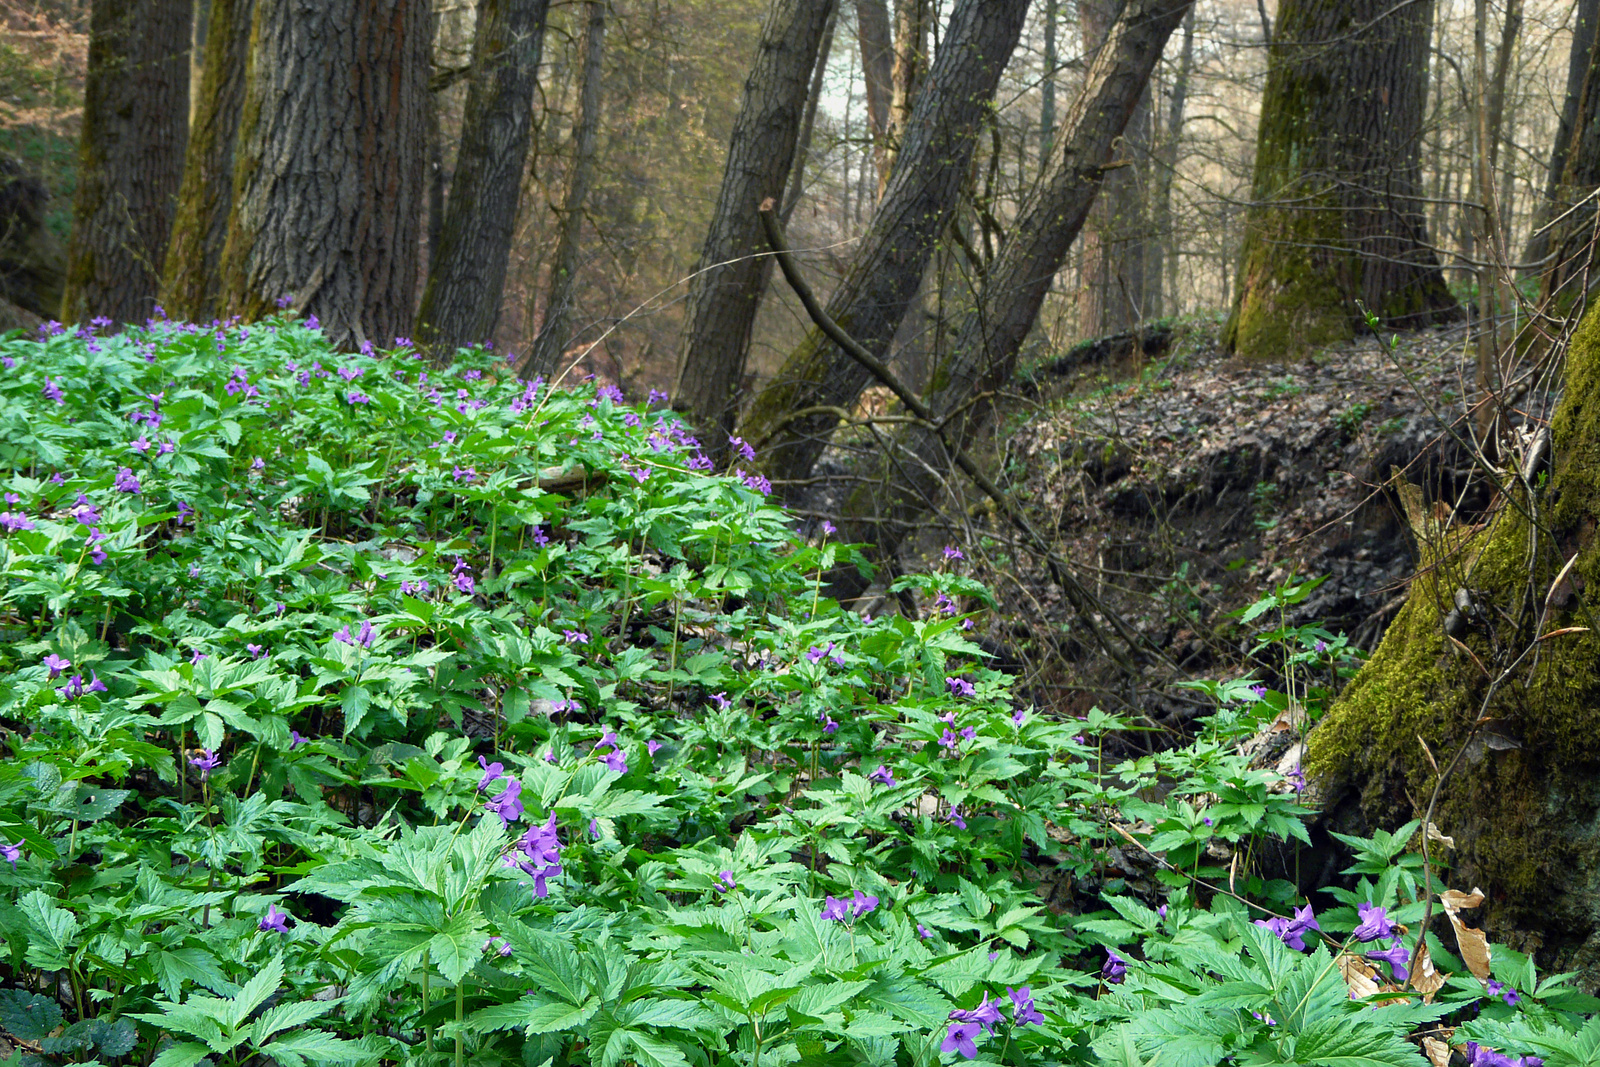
(258, 464)
(1375, 923)
(52, 391)
(506, 805)
(952, 552)
(295, 740)
(862, 904)
(1161, 912)
(969, 733)
(1292, 931)
(1396, 957)
(539, 536)
(816, 652)
(959, 1039)
(574, 637)
(274, 920)
(828, 528)
(497, 945)
(205, 763)
(1115, 968)
(312, 323)
(465, 474)
(960, 687)
(883, 776)
(742, 447)
(142, 445)
(195, 656)
(725, 882)
(594, 829)
(721, 701)
(1322, 646)
(923, 932)
(194, 570)
(541, 855)
(491, 772)
(343, 635)
(608, 740)
(85, 512)
(1022, 1008)
(185, 512)
(956, 818)
(1018, 717)
(56, 665)
(126, 482)
(652, 746)
(950, 742)
(617, 760)
(16, 521)
(835, 910)
(11, 853)
(828, 725)
(1259, 692)
(985, 1015)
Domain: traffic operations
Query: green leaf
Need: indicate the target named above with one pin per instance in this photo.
(534, 1015)
(51, 932)
(29, 1016)
(182, 1054)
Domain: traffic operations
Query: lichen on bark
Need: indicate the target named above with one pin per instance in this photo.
(1524, 805)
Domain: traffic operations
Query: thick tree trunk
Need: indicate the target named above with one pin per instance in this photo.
(732, 274)
(1521, 806)
(987, 339)
(877, 69)
(467, 274)
(547, 348)
(33, 265)
(1571, 239)
(913, 21)
(1337, 217)
(191, 281)
(1586, 19)
(329, 171)
(130, 157)
(933, 160)
(1116, 236)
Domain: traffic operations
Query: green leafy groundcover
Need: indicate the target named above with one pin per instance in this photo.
(332, 738)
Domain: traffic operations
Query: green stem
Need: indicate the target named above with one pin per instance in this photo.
(460, 1004)
(427, 1034)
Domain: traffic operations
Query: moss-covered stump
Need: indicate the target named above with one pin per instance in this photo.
(1524, 803)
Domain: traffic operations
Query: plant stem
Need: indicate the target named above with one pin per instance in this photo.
(460, 1002)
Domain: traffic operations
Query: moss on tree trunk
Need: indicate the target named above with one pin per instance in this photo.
(1526, 820)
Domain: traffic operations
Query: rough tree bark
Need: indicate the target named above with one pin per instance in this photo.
(1521, 804)
(1337, 217)
(191, 279)
(467, 275)
(732, 275)
(933, 160)
(982, 357)
(328, 175)
(1586, 18)
(802, 149)
(1571, 233)
(1047, 85)
(130, 157)
(557, 328)
(33, 265)
(877, 69)
(913, 22)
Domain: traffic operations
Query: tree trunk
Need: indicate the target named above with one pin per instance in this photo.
(1047, 85)
(1116, 235)
(33, 265)
(1521, 805)
(983, 354)
(913, 21)
(467, 275)
(802, 150)
(1165, 239)
(877, 68)
(1586, 18)
(1571, 238)
(130, 157)
(731, 276)
(933, 160)
(1337, 217)
(547, 348)
(329, 171)
(191, 282)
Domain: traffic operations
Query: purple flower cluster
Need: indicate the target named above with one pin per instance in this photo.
(239, 382)
(965, 1025)
(274, 920)
(11, 852)
(364, 637)
(1478, 1056)
(616, 759)
(1504, 992)
(538, 853)
(1115, 969)
(16, 520)
(529, 392)
(461, 575)
(205, 763)
(75, 687)
(837, 909)
(883, 776)
(1292, 931)
(755, 481)
(508, 805)
(126, 481)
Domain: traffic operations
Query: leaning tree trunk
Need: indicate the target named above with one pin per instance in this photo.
(328, 177)
(1586, 19)
(1510, 681)
(1337, 216)
(191, 280)
(726, 289)
(467, 275)
(557, 329)
(934, 156)
(130, 157)
(983, 356)
(877, 71)
(1571, 258)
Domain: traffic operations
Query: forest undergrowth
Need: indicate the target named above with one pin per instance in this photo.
(358, 710)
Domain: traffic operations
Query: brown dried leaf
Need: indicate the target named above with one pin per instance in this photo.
(1359, 975)
(1435, 834)
(1437, 1051)
(1473, 945)
(1452, 899)
(1425, 979)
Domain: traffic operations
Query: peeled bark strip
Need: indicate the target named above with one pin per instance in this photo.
(984, 354)
(467, 275)
(933, 160)
(191, 281)
(130, 157)
(1337, 216)
(732, 274)
(557, 329)
(329, 171)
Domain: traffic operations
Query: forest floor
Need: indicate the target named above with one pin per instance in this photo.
(1183, 485)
